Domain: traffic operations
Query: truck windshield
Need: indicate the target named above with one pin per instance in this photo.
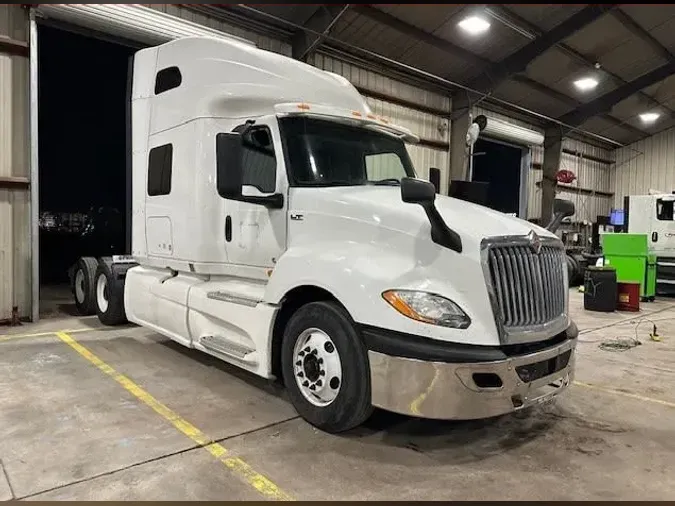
(327, 153)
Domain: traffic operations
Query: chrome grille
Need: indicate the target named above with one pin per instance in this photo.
(529, 288)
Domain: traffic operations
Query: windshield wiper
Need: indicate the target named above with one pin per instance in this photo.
(386, 182)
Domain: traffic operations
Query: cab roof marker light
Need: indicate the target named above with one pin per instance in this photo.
(304, 107)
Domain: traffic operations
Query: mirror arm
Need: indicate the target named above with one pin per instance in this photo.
(441, 234)
(275, 201)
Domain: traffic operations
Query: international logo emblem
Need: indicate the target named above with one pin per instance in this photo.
(535, 242)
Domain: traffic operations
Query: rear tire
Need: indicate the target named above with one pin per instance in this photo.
(109, 295)
(83, 286)
(325, 367)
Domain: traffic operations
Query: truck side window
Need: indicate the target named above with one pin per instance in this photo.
(380, 166)
(160, 162)
(664, 210)
(259, 163)
(167, 79)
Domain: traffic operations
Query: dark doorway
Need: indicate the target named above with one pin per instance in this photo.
(82, 153)
(498, 165)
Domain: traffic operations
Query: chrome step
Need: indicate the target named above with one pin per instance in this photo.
(224, 346)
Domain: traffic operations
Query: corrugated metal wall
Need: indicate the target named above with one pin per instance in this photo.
(14, 202)
(423, 124)
(644, 165)
(590, 174)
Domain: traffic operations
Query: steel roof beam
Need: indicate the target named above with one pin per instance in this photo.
(412, 31)
(542, 88)
(605, 102)
(527, 29)
(417, 33)
(517, 62)
(322, 20)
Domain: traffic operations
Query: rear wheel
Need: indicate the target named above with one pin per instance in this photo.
(109, 295)
(83, 286)
(325, 367)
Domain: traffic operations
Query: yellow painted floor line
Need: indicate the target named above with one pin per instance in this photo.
(235, 464)
(625, 394)
(9, 337)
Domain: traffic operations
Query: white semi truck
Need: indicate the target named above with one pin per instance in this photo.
(278, 225)
(654, 216)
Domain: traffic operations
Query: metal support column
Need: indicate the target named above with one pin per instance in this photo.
(459, 155)
(34, 172)
(552, 156)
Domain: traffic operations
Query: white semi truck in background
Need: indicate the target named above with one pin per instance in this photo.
(278, 225)
(654, 215)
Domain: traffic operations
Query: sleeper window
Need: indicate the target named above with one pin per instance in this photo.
(160, 163)
(167, 79)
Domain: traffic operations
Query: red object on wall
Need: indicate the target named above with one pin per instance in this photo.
(565, 176)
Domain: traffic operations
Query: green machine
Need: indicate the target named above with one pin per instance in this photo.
(629, 255)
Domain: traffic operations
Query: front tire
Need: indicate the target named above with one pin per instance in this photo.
(109, 295)
(325, 367)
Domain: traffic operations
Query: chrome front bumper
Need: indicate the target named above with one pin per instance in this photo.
(445, 390)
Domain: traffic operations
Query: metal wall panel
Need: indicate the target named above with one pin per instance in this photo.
(590, 174)
(425, 125)
(14, 202)
(644, 165)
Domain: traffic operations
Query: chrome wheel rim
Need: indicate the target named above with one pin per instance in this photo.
(317, 367)
(102, 293)
(79, 286)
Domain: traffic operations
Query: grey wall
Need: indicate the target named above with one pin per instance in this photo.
(14, 202)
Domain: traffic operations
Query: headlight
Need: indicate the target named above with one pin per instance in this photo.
(428, 308)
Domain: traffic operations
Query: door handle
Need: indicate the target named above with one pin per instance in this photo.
(655, 236)
(228, 228)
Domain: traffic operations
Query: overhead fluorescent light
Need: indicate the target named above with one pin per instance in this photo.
(586, 84)
(474, 25)
(649, 117)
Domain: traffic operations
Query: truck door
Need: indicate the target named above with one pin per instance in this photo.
(662, 235)
(256, 235)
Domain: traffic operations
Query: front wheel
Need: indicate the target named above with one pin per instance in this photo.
(325, 367)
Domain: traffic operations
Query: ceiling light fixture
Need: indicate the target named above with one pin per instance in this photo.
(586, 84)
(474, 25)
(649, 117)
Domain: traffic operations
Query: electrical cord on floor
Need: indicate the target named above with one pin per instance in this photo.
(619, 344)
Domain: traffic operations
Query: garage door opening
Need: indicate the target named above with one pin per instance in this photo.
(499, 165)
(82, 156)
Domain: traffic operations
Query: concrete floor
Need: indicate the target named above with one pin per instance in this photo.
(69, 430)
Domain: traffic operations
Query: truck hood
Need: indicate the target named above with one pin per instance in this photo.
(382, 206)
